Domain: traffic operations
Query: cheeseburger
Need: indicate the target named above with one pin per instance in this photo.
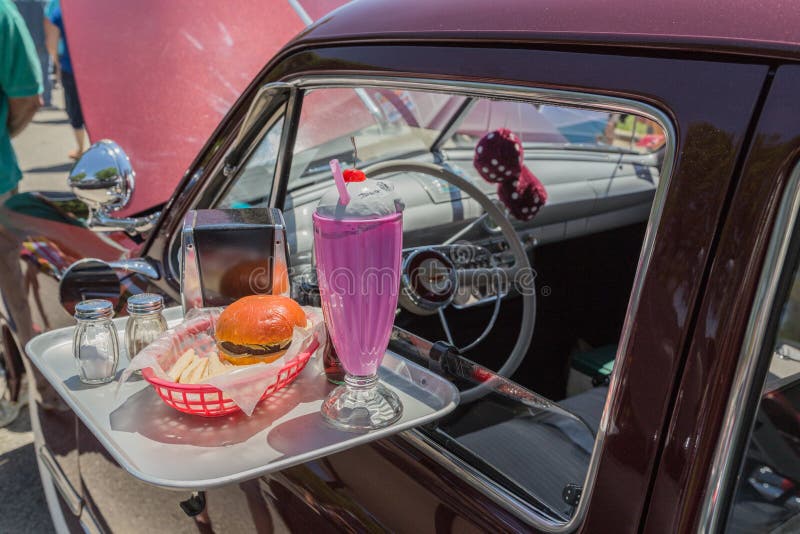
(258, 328)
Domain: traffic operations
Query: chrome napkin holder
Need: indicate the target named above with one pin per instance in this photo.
(227, 254)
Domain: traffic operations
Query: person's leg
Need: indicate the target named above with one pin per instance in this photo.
(73, 109)
(80, 132)
(80, 140)
(44, 61)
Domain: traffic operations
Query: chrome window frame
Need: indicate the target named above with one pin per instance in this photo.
(469, 474)
(236, 173)
(715, 508)
(260, 105)
(230, 173)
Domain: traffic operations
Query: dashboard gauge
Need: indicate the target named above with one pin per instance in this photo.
(429, 281)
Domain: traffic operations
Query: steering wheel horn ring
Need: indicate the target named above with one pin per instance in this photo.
(429, 280)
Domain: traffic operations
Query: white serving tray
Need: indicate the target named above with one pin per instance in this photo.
(166, 448)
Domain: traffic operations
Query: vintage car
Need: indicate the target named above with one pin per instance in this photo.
(642, 330)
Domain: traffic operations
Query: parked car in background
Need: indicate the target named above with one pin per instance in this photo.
(650, 305)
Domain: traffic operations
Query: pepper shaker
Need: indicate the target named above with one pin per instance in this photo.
(145, 322)
(94, 344)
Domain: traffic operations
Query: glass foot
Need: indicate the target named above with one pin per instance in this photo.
(361, 404)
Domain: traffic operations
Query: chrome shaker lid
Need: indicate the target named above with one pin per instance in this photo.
(145, 303)
(90, 310)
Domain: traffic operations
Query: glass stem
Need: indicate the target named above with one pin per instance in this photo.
(361, 383)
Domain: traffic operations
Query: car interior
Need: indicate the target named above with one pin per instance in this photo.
(600, 171)
(767, 494)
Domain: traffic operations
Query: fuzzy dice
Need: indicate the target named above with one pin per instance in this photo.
(499, 159)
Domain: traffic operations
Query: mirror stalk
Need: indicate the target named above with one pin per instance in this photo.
(100, 221)
(138, 266)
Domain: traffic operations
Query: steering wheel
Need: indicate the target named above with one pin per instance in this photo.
(520, 272)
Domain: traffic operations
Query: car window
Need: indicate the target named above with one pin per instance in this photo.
(767, 495)
(532, 436)
(253, 185)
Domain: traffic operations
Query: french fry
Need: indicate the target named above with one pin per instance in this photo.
(186, 359)
(194, 373)
(215, 366)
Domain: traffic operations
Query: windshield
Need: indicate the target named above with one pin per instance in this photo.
(388, 123)
(383, 123)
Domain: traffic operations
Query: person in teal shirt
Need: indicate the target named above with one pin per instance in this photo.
(20, 90)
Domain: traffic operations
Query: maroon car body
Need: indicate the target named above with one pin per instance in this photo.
(725, 73)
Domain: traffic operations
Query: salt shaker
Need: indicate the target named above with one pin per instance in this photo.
(145, 322)
(95, 345)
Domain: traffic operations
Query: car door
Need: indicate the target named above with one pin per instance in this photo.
(41, 234)
(733, 344)
(241, 507)
(709, 106)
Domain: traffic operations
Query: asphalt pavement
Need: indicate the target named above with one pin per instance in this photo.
(42, 149)
(22, 504)
(42, 153)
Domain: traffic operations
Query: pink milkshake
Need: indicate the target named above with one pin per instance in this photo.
(358, 265)
(358, 242)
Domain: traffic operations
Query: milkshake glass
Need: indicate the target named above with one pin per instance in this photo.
(358, 249)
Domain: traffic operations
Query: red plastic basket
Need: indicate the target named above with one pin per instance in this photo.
(208, 401)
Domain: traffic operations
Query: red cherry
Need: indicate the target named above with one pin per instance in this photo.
(354, 175)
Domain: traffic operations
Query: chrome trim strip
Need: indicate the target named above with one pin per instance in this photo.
(283, 165)
(499, 495)
(60, 481)
(239, 146)
(89, 522)
(481, 89)
(551, 96)
(259, 104)
(722, 474)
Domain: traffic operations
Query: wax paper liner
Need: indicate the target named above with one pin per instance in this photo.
(244, 384)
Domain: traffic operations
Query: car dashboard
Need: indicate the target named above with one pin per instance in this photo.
(589, 191)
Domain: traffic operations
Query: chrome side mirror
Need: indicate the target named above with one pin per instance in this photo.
(103, 179)
(91, 278)
(88, 279)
